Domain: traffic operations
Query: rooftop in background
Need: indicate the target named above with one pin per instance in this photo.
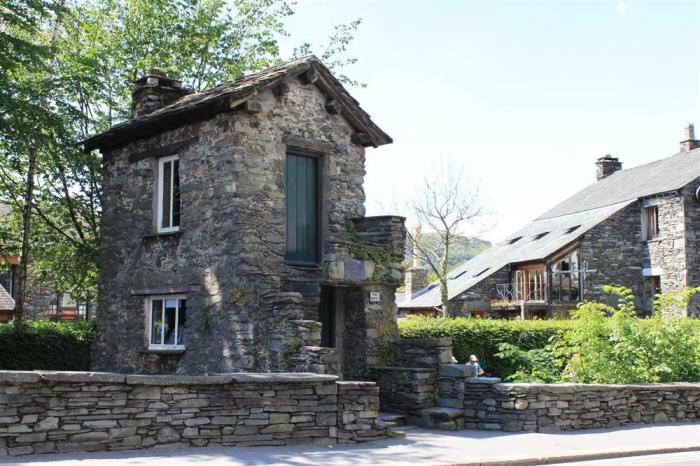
(566, 222)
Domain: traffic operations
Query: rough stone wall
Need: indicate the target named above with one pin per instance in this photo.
(478, 297)
(490, 405)
(613, 253)
(228, 257)
(62, 412)
(667, 252)
(691, 208)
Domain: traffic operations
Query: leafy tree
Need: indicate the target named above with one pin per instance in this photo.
(72, 78)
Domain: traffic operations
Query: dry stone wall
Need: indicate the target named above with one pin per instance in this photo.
(61, 412)
(491, 405)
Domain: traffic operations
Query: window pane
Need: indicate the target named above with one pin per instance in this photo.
(166, 194)
(575, 286)
(156, 322)
(170, 322)
(176, 193)
(181, 321)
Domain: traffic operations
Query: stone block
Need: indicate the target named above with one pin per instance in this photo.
(145, 393)
(167, 435)
(48, 423)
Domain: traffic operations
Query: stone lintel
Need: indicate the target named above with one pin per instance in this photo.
(166, 290)
(310, 145)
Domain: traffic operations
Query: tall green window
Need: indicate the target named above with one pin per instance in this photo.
(303, 210)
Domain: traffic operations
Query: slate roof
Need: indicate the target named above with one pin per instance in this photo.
(6, 301)
(586, 209)
(198, 106)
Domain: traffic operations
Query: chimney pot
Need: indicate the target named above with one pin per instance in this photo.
(690, 142)
(606, 166)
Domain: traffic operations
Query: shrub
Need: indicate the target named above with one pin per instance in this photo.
(483, 337)
(63, 346)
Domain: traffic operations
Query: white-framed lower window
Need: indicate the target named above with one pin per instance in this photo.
(167, 317)
(168, 194)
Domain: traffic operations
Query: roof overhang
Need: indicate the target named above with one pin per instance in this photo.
(230, 97)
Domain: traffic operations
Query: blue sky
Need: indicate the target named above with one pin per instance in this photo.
(526, 94)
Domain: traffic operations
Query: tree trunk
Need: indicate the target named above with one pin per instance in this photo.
(444, 297)
(24, 255)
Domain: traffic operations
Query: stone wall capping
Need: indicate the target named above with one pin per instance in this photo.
(84, 377)
(217, 379)
(345, 384)
(427, 342)
(282, 377)
(406, 369)
(483, 380)
(453, 370)
(581, 387)
(19, 377)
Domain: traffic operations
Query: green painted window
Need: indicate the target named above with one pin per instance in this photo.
(303, 217)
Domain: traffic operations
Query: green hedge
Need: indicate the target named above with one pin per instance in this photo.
(482, 337)
(61, 346)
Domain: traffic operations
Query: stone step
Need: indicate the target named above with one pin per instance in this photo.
(445, 418)
(398, 419)
(382, 424)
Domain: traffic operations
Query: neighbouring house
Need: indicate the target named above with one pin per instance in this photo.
(233, 230)
(638, 227)
(42, 302)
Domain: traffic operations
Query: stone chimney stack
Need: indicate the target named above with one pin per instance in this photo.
(153, 91)
(416, 277)
(606, 166)
(690, 142)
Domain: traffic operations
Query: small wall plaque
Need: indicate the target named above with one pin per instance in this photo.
(374, 297)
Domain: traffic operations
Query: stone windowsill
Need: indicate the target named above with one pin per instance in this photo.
(165, 234)
(166, 349)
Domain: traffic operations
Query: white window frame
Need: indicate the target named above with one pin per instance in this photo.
(161, 178)
(149, 309)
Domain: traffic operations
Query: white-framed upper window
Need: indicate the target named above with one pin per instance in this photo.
(168, 194)
(167, 317)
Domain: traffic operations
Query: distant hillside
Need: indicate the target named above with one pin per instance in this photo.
(463, 249)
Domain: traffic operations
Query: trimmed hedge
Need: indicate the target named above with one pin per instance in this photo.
(63, 346)
(482, 337)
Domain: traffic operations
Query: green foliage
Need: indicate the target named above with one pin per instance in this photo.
(600, 344)
(47, 345)
(365, 252)
(67, 73)
(483, 337)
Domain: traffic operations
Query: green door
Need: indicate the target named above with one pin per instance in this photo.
(303, 219)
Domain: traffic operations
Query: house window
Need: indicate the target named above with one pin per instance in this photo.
(530, 285)
(566, 279)
(167, 319)
(168, 194)
(303, 211)
(650, 222)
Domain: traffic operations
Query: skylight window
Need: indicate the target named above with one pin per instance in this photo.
(482, 272)
(541, 235)
(572, 229)
(514, 240)
(456, 276)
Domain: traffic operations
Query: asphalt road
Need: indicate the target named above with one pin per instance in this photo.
(691, 458)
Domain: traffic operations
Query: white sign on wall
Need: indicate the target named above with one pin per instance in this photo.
(374, 297)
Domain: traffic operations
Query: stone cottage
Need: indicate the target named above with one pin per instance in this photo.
(638, 227)
(233, 236)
